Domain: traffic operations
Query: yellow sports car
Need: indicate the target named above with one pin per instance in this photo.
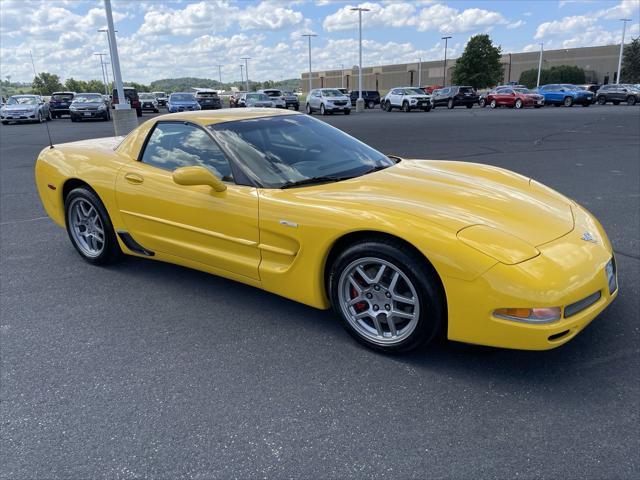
(403, 250)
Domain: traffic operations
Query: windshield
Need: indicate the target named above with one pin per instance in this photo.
(160, 94)
(22, 101)
(62, 96)
(207, 94)
(332, 93)
(256, 96)
(276, 151)
(182, 97)
(91, 98)
(413, 91)
(522, 90)
(146, 96)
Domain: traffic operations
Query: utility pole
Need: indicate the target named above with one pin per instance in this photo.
(246, 69)
(309, 35)
(242, 76)
(220, 73)
(624, 27)
(106, 30)
(539, 64)
(419, 72)
(360, 101)
(444, 76)
(342, 75)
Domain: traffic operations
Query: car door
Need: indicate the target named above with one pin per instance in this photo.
(217, 229)
(316, 100)
(507, 97)
(395, 97)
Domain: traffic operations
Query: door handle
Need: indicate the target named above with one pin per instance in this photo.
(133, 178)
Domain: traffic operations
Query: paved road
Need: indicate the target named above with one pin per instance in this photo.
(150, 370)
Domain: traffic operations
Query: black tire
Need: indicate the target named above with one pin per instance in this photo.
(482, 102)
(602, 100)
(450, 104)
(387, 106)
(370, 104)
(631, 100)
(297, 107)
(425, 280)
(518, 104)
(469, 105)
(347, 111)
(308, 109)
(111, 250)
(4, 122)
(155, 110)
(568, 101)
(427, 108)
(323, 111)
(406, 107)
(493, 104)
(586, 104)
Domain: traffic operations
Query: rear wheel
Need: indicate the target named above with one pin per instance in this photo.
(482, 102)
(493, 104)
(387, 106)
(308, 109)
(89, 227)
(387, 297)
(323, 111)
(469, 105)
(568, 102)
(370, 104)
(518, 104)
(450, 104)
(602, 100)
(631, 100)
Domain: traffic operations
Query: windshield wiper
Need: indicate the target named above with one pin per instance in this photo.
(376, 169)
(312, 180)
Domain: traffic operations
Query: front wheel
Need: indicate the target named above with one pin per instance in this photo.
(323, 111)
(370, 104)
(89, 227)
(568, 102)
(602, 100)
(308, 109)
(450, 104)
(482, 103)
(387, 106)
(387, 297)
(406, 107)
(518, 104)
(493, 104)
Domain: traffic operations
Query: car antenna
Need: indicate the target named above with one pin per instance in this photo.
(45, 120)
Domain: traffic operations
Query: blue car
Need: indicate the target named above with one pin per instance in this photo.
(180, 102)
(565, 94)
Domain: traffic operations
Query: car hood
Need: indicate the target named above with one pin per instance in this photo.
(20, 107)
(455, 195)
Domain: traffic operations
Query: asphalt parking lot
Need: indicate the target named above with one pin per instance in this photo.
(148, 370)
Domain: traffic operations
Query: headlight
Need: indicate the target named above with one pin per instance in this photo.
(73, 107)
(530, 315)
(413, 100)
(101, 107)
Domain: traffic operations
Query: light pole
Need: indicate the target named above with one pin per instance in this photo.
(539, 65)
(309, 35)
(342, 75)
(246, 69)
(242, 76)
(106, 30)
(360, 101)
(104, 79)
(624, 27)
(220, 73)
(444, 76)
(419, 72)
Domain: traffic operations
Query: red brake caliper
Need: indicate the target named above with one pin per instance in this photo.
(360, 306)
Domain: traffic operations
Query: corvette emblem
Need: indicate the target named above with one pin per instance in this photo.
(587, 237)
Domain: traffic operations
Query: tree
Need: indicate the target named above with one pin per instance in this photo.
(479, 65)
(631, 62)
(46, 83)
(95, 86)
(557, 74)
(74, 85)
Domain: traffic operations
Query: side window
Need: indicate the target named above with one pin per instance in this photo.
(318, 93)
(173, 145)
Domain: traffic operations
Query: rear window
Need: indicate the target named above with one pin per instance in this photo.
(466, 90)
(206, 94)
(273, 93)
(62, 96)
(130, 93)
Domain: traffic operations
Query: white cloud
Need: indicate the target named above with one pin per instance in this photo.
(625, 9)
(515, 25)
(564, 26)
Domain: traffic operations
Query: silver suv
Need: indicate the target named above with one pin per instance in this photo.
(407, 99)
(328, 100)
(276, 96)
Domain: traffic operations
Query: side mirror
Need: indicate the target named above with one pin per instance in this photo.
(198, 176)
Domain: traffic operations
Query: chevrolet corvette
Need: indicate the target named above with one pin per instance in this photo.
(403, 250)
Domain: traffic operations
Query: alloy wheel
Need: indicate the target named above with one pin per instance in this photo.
(86, 227)
(378, 300)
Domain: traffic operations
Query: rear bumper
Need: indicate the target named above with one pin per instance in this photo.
(59, 111)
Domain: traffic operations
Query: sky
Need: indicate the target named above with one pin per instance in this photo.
(168, 39)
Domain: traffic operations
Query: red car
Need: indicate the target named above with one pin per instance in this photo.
(514, 98)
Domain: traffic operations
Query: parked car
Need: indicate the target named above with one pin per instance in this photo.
(234, 99)
(344, 91)
(371, 98)
(89, 105)
(25, 108)
(131, 96)
(182, 101)
(256, 100)
(617, 93)
(566, 94)
(514, 98)
(161, 97)
(148, 101)
(407, 99)
(292, 100)
(327, 100)
(60, 102)
(208, 99)
(454, 96)
(276, 96)
(429, 89)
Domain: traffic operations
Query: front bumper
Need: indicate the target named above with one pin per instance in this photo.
(19, 117)
(337, 108)
(567, 271)
(81, 114)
